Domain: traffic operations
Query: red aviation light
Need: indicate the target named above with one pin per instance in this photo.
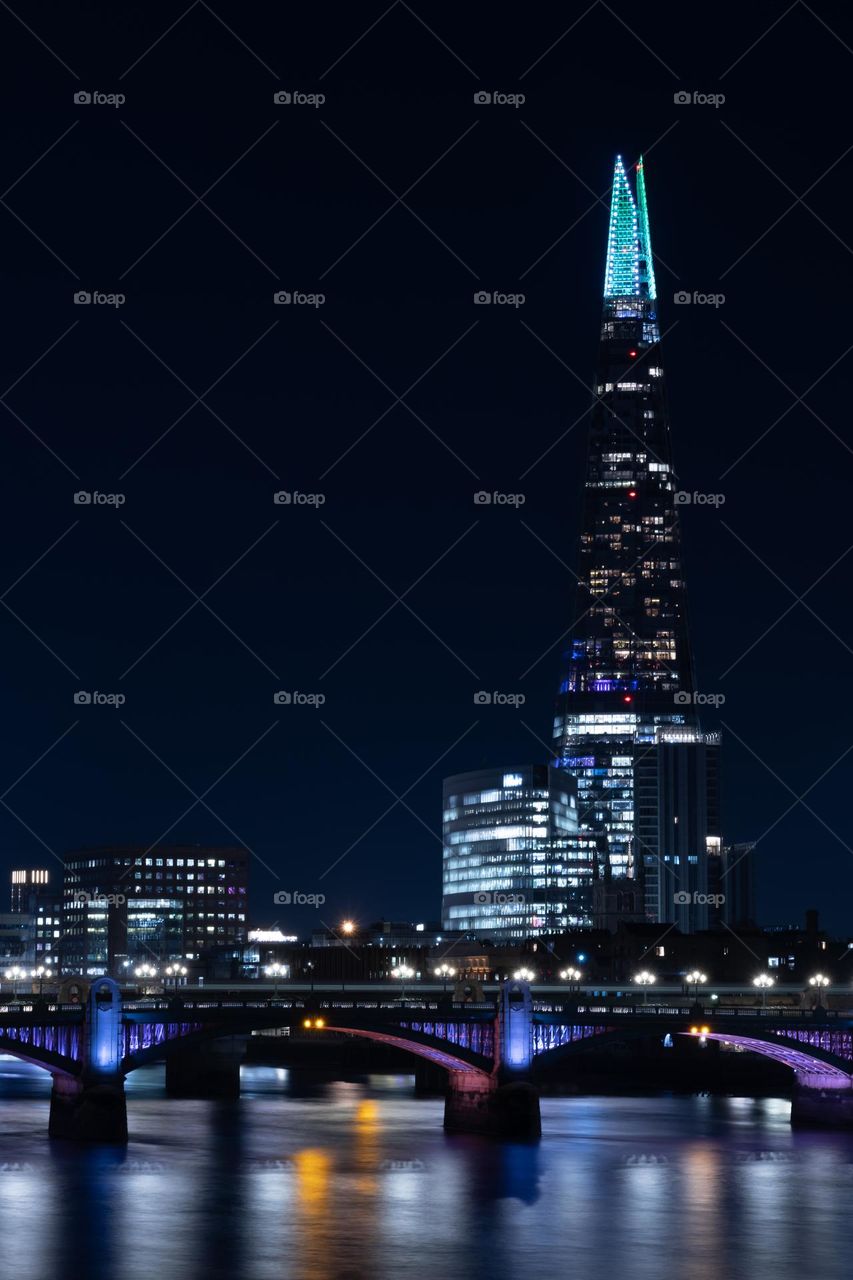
(627, 698)
(632, 493)
(632, 354)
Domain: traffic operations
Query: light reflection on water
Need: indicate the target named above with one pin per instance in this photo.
(341, 1180)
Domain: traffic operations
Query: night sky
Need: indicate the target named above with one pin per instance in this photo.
(198, 199)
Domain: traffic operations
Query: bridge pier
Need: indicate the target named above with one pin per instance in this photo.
(479, 1104)
(209, 1069)
(88, 1109)
(817, 1105)
(504, 1104)
(468, 1103)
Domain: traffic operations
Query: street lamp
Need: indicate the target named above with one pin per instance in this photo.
(571, 975)
(445, 971)
(695, 979)
(145, 971)
(177, 972)
(819, 981)
(644, 979)
(348, 927)
(523, 975)
(764, 981)
(41, 973)
(276, 971)
(402, 972)
(14, 975)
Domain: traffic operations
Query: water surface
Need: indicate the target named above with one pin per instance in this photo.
(349, 1180)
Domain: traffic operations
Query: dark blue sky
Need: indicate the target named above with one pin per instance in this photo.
(304, 399)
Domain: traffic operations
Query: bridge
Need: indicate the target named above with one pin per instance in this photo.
(489, 1041)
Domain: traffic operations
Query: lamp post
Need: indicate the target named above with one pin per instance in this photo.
(275, 971)
(348, 928)
(402, 972)
(41, 973)
(177, 972)
(644, 979)
(695, 978)
(524, 975)
(445, 971)
(764, 981)
(572, 976)
(14, 975)
(145, 971)
(819, 981)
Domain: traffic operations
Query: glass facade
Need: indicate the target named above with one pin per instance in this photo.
(511, 866)
(628, 682)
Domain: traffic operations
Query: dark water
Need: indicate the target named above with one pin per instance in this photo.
(358, 1180)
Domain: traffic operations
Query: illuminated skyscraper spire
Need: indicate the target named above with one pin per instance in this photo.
(629, 272)
(621, 276)
(626, 699)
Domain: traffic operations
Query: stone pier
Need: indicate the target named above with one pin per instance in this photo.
(468, 1103)
(817, 1103)
(504, 1104)
(88, 1109)
(210, 1069)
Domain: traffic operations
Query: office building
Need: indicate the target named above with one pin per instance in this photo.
(510, 862)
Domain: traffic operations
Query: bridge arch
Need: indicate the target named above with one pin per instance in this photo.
(54, 1048)
(424, 1046)
(177, 1036)
(814, 1062)
(806, 1060)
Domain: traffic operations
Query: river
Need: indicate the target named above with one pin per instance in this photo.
(355, 1180)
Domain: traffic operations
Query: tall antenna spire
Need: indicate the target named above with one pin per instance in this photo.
(646, 268)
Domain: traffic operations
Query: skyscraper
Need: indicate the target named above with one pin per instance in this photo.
(626, 725)
(510, 853)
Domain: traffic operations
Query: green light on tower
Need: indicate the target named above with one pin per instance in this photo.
(644, 247)
(629, 272)
(621, 277)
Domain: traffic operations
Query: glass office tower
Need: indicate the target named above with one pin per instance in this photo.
(510, 865)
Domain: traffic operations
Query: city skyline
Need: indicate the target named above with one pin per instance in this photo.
(508, 396)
